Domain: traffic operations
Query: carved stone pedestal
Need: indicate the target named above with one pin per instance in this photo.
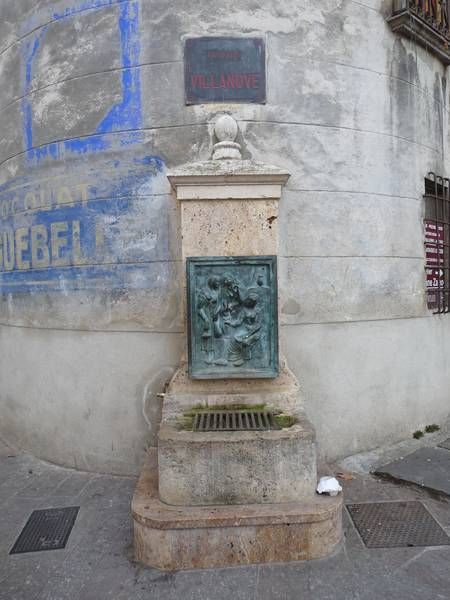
(173, 538)
(235, 467)
(225, 496)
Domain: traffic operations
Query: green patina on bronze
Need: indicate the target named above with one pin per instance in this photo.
(232, 317)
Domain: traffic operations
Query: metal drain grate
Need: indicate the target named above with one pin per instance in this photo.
(47, 529)
(240, 420)
(445, 444)
(397, 525)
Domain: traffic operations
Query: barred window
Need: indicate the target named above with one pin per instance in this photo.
(437, 242)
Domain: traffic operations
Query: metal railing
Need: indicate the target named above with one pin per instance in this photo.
(426, 22)
(434, 12)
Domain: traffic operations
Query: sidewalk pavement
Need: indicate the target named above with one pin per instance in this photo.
(97, 563)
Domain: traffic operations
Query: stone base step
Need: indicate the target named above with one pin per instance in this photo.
(175, 538)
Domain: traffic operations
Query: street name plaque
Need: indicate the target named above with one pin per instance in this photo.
(232, 317)
(225, 69)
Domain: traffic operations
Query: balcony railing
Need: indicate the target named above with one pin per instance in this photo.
(426, 22)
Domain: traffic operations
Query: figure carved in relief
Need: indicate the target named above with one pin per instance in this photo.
(247, 331)
(230, 317)
(231, 295)
(209, 311)
(261, 289)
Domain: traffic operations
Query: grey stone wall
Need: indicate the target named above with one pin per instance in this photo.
(92, 114)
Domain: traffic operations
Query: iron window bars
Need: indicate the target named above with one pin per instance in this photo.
(437, 242)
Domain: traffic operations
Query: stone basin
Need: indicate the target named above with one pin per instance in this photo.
(237, 467)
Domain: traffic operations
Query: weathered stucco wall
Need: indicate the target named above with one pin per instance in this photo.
(92, 114)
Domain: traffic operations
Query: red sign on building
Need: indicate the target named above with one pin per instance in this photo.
(225, 69)
(434, 253)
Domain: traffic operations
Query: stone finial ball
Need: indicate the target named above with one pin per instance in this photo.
(226, 129)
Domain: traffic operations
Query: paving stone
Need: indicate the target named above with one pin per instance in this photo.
(219, 584)
(73, 485)
(97, 561)
(28, 587)
(61, 588)
(427, 574)
(17, 473)
(103, 491)
(21, 477)
(427, 467)
(445, 444)
(43, 484)
(6, 451)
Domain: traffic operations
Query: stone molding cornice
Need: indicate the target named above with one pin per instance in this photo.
(227, 179)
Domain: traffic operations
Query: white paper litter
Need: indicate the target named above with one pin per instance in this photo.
(329, 485)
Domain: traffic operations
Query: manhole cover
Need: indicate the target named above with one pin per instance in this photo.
(397, 525)
(240, 420)
(47, 529)
(445, 444)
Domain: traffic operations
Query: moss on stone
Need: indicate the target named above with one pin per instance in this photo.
(185, 423)
(285, 421)
(432, 428)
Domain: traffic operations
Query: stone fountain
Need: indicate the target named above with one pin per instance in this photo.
(233, 480)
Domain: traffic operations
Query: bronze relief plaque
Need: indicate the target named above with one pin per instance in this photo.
(232, 317)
